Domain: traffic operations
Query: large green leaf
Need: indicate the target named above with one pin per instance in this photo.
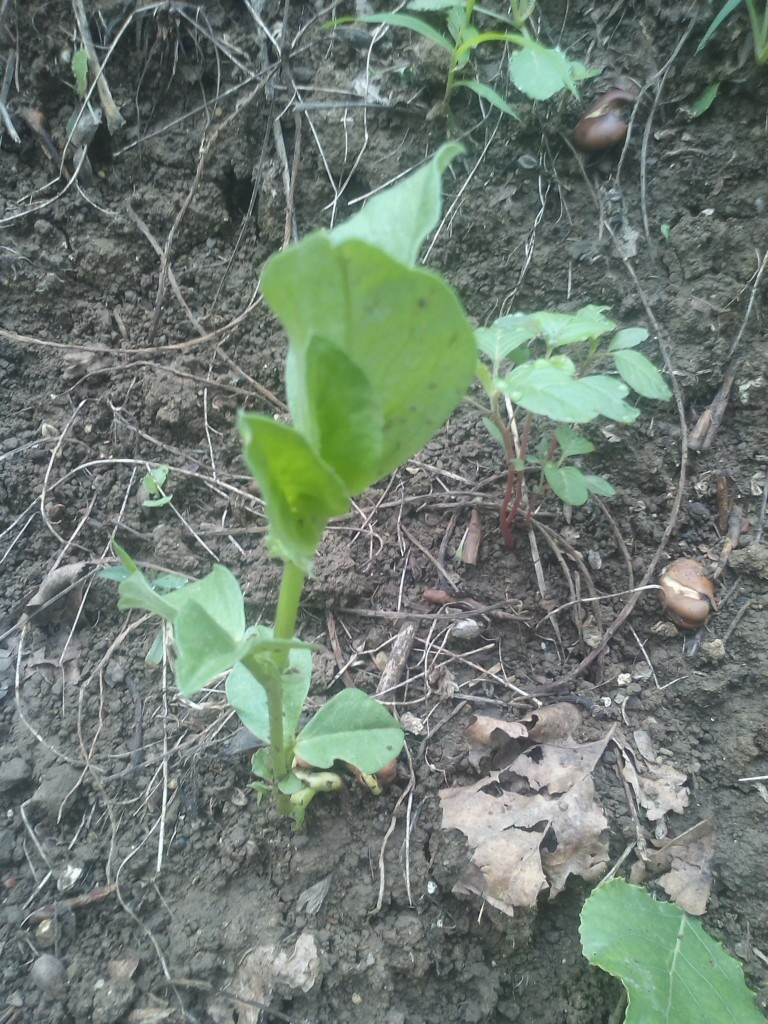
(673, 971)
(399, 219)
(248, 697)
(423, 28)
(301, 492)
(402, 327)
(641, 375)
(351, 727)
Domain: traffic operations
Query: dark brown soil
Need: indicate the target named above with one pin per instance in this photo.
(115, 787)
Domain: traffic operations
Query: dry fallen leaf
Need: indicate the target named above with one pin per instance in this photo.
(534, 823)
(487, 735)
(687, 865)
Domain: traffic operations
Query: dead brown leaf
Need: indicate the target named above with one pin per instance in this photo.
(687, 866)
(488, 735)
(533, 824)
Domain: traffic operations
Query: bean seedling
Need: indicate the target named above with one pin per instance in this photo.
(380, 353)
(536, 70)
(546, 382)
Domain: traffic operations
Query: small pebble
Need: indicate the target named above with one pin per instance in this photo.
(49, 975)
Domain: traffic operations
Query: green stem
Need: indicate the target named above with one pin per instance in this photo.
(285, 628)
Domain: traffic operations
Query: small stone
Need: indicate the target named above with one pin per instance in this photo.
(14, 773)
(49, 975)
(112, 1000)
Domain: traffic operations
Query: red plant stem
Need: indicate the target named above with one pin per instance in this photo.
(515, 482)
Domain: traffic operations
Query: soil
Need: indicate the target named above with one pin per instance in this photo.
(131, 331)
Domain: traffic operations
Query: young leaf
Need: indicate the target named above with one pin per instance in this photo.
(705, 99)
(402, 327)
(571, 328)
(673, 971)
(598, 485)
(567, 482)
(301, 492)
(423, 28)
(249, 698)
(547, 390)
(488, 93)
(346, 419)
(351, 727)
(630, 337)
(493, 430)
(435, 5)
(80, 71)
(641, 375)
(572, 443)
(506, 336)
(540, 72)
(399, 219)
(605, 395)
(725, 10)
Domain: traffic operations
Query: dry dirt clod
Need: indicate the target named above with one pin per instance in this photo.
(49, 975)
(687, 593)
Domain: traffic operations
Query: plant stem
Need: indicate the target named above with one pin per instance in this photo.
(288, 602)
(285, 627)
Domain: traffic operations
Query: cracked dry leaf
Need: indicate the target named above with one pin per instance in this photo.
(531, 825)
(687, 863)
(658, 788)
(488, 736)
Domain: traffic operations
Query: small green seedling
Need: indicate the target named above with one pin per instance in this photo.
(673, 971)
(758, 22)
(80, 71)
(380, 354)
(153, 483)
(547, 382)
(536, 70)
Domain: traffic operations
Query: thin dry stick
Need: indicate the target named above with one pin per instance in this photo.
(4, 89)
(703, 434)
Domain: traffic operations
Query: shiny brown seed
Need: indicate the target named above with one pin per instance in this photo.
(687, 593)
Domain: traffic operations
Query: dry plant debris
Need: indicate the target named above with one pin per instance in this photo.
(683, 867)
(536, 820)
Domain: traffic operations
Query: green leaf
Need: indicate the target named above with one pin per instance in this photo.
(486, 380)
(641, 375)
(571, 328)
(80, 70)
(673, 971)
(540, 72)
(705, 99)
(155, 478)
(435, 5)
(725, 10)
(156, 652)
(493, 430)
(598, 485)
(157, 502)
(399, 219)
(488, 93)
(403, 328)
(136, 592)
(567, 482)
(351, 727)
(630, 337)
(116, 573)
(547, 390)
(398, 21)
(605, 396)
(347, 422)
(301, 492)
(506, 338)
(572, 443)
(248, 697)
